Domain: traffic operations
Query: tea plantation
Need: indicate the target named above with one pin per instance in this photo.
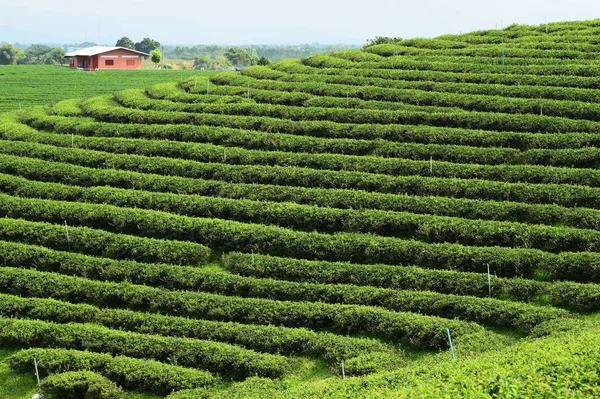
(315, 228)
(26, 86)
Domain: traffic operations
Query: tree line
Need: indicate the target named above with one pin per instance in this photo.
(203, 56)
(35, 54)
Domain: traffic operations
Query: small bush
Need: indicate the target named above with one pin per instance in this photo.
(372, 363)
(80, 385)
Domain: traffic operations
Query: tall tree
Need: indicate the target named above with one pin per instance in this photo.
(238, 56)
(42, 54)
(203, 61)
(147, 45)
(156, 57)
(9, 54)
(125, 42)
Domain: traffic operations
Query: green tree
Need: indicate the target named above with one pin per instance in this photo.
(179, 49)
(41, 54)
(221, 61)
(203, 61)
(10, 54)
(156, 57)
(125, 42)
(58, 55)
(147, 45)
(238, 56)
(263, 61)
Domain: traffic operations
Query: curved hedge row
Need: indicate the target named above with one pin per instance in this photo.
(136, 374)
(330, 198)
(185, 352)
(409, 328)
(215, 153)
(586, 72)
(274, 97)
(243, 115)
(483, 97)
(322, 155)
(481, 51)
(568, 295)
(357, 140)
(481, 310)
(563, 194)
(574, 296)
(104, 110)
(107, 204)
(272, 339)
(102, 243)
(354, 247)
(514, 85)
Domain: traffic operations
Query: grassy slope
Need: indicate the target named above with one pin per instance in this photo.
(31, 85)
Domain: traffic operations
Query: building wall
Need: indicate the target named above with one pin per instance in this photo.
(121, 59)
(117, 59)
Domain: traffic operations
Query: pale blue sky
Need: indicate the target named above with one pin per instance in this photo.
(268, 21)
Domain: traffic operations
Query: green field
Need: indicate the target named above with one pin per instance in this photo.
(24, 86)
(255, 234)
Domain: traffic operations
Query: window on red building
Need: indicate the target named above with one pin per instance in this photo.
(109, 62)
(130, 62)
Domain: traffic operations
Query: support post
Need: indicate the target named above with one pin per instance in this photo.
(450, 341)
(37, 374)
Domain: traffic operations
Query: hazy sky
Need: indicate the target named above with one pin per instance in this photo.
(268, 21)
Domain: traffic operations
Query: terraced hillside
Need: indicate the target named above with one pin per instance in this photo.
(258, 233)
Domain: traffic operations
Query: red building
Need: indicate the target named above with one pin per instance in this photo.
(100, 57)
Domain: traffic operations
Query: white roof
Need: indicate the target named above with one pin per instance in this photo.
(90, 51)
